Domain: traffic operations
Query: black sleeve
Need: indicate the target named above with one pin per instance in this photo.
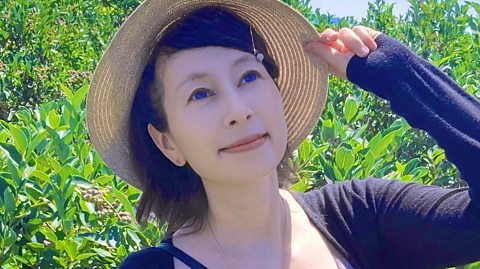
(428, 99)
(380, 223)
(149, 258)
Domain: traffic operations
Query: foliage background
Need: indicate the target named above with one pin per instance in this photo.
(61, 207)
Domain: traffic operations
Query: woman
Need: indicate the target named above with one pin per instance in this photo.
(200, 105)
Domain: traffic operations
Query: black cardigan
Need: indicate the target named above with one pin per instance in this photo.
(381, 223)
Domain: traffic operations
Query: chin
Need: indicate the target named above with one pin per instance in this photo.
(254, 169)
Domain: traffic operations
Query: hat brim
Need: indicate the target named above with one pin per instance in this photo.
(302, 81)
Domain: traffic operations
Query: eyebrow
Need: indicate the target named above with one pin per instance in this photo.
(196, 76)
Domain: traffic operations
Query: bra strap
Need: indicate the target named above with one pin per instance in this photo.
(168, 246)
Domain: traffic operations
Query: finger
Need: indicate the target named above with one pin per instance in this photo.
(373, 33)
(333, 57)
(338, 45)
(328, 36)
(352, 41)
(365, 36)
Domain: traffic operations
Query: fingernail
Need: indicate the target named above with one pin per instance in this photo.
(365, 51)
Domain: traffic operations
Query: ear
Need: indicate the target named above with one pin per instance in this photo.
(165, 144)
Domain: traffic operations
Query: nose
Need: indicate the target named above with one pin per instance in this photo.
(238, 111)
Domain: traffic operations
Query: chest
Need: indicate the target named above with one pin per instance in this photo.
(309, 248)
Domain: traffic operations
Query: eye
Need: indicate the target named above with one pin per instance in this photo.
(198, 94)
(202, 93)
(251, 75)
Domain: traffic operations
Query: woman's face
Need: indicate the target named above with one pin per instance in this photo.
(213, 97)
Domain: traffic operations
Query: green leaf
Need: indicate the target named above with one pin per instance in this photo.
(338, 175)
(103, 180)
(412, 164)
(49, 234)
(34, 193)
(406, 178)
(67, 92)
(317, 151)
(123, 200)
(61, 149)
(71, 248)
(67, 172)
(12, 153)
(19, 138)
(442, 61)
(327, 130)
(42, 176)
(55, 165)
(350, 109)
(88, 170)
(304, 150)
(37, 139)
(122, 251)
(375, 145)
(344, 159)
(400, 167)
(36, 246)
(53, 120)
(11, 237)
(9, 201)
(103, 253)
(80, 181)
(87, 206)
(420, 172)
(79, 97)
(369, 161)
(134, 236)
(301, 186)
(84, 256)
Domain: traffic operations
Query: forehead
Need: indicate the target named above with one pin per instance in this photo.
(188, 66)
(204, 59)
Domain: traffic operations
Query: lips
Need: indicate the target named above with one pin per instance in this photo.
(245, 140)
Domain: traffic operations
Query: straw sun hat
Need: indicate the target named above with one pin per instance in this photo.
(302, 81)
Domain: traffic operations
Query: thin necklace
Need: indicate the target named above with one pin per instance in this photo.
(284, 239)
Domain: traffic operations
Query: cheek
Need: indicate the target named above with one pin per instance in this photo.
(196, 133)
(268, 106)
(272, 105)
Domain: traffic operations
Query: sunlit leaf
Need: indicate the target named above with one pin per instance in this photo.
(350, 109)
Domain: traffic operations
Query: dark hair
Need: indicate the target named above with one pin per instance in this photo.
(175, 195)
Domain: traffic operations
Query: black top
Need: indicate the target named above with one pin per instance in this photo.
(381, 223)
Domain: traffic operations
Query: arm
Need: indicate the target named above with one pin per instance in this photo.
(399, 225)
(434, 225)
(428, 99)
(382, 223)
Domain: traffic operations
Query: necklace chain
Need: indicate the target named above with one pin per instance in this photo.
(284, 238)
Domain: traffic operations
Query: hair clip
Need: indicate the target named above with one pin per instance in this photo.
(256, 53)
(259, 56)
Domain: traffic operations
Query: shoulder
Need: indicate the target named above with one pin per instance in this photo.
(348, 189)
(370, 196)
(152, 257)
(359, 195)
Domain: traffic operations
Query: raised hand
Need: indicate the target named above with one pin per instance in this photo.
(337, 48)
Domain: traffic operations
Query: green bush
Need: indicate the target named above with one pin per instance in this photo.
(61, 207)
(48, 45)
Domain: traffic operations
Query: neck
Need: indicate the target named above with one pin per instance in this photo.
(245, 216)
